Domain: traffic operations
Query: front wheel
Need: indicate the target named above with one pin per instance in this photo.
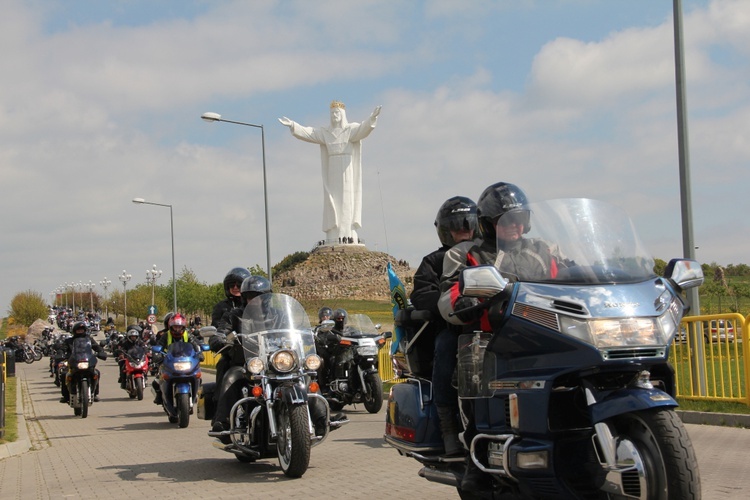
(293, 440)
(83, 397)
(656, 447)
(373, 393)
(138, 388)
(28, 357)
(183, 410)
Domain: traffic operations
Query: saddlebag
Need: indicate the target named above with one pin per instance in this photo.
(412, 422)
(206, 403)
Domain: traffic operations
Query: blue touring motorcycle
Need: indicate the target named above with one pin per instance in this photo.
(571, 394)
(179, 379)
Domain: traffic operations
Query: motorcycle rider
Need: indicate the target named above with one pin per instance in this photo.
(504, 217)
(132, 339)
(324, 344)
(177, 332)
(456, 221)
(232, 351)
(78, 330)
(233, 292)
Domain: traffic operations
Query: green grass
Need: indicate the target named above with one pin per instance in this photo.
(11, 425)
(713, 406)
(379, 311)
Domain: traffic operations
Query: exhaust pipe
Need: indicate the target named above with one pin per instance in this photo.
(440, 476)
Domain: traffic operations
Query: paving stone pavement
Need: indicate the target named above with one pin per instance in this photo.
(127, 448)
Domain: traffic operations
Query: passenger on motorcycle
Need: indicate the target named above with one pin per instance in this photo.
(132, 339)
(456, 221)
(503, 218)
(251, 287)
(79, 330)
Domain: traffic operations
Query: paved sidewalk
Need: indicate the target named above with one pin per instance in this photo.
(126, 448)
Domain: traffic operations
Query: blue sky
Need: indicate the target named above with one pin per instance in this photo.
(100, 103)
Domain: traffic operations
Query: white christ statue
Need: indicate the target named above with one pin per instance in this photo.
(341, 159)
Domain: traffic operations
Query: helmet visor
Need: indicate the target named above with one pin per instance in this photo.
(460, 221)
(516, 217)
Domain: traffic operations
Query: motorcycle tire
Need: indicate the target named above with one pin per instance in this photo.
(666, 453)
(293, 440)
(183, 410)
(38, 355)
(139, 389)
(83, 396)
(28, 358)
(373, 393)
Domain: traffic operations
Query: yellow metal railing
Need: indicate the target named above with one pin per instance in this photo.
(719, 372)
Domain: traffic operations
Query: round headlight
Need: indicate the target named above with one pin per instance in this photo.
(255, 366)
(283, 361)
(313, 362)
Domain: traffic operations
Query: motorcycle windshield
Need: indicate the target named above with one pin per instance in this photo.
(576, 241)
(275, 321)
(360, 324)
(81, 350)
(136, 352)
(181, 349)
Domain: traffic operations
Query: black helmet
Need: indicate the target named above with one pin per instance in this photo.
(325, 312)
(498, 199)
(167, 318)
(235, 275)
(78, 325)
(457, 213)
(339, 317)
(197, 320)
(252, 286)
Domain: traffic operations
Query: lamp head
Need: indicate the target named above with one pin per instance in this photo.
(138, 200)
(211, 117)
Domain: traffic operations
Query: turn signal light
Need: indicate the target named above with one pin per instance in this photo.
(257, 391)
(314, 387)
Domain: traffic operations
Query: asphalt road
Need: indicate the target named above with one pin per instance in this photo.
(127, 449)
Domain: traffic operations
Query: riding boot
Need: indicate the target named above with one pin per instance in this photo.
(474, 480)
(449, 429)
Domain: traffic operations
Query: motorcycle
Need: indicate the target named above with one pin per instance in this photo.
(571, 395)
(352, 372)
(178, 380)
(81, 376)
(277, 387)
(136, 368)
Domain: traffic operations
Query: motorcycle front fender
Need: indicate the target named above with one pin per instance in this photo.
(628, 400)
(293, 394)
(182, 388)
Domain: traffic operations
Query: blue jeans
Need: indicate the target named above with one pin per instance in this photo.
(444, 364)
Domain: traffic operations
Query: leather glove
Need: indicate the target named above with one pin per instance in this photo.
(467, 316)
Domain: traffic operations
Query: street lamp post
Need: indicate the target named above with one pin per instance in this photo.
(64, 287)
(90, 287)
(152, 275)
(79, 287)
(105, 284)
(73, 289)
(141, 201)
(216, 117)
(125, 277)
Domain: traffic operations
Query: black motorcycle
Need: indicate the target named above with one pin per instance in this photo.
(273, 416)
(81, 377)
(352, 370)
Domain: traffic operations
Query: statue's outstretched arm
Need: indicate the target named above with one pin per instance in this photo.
(286, 121)
(376, 112)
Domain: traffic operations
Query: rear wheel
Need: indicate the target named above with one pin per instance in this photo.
(373, 393)
(657, 447)
(83, 397)
(183, 410)
(293, 440)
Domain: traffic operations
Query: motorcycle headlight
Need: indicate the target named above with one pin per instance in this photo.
(255, 366)
(313, 362)
(367, 350)
(620, 332)
(283, 361)
(138, 365)
(83, 365)
(182, 366)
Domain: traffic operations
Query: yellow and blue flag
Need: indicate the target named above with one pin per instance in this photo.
(398, 301)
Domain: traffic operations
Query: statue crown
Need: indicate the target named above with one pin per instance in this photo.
(337, 104)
